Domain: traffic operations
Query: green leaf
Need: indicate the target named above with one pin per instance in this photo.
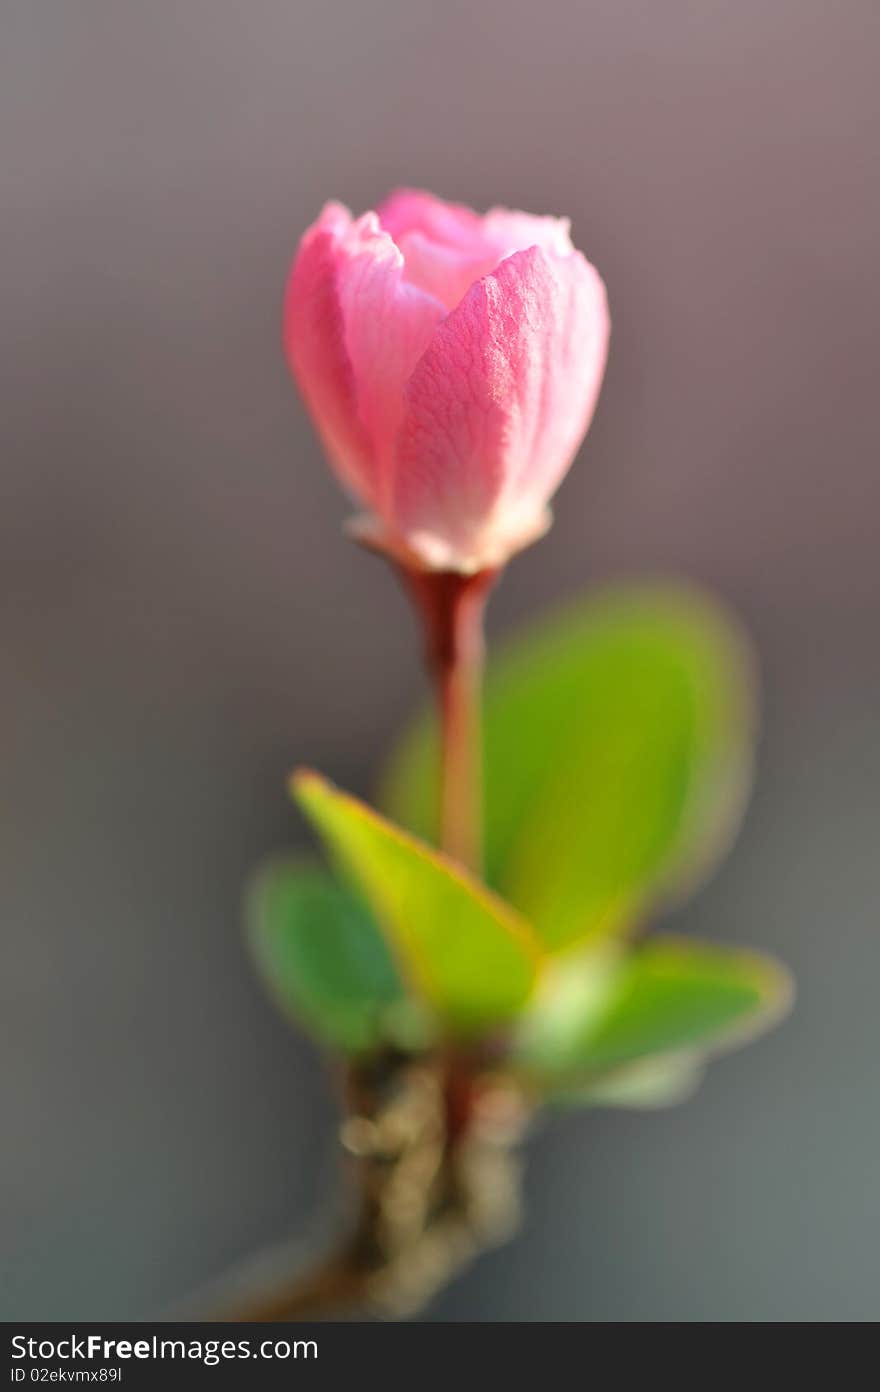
(466, 954)
(673, 993)
(612, 1007)
(321, 956)
(618, 740)
(649, 1083)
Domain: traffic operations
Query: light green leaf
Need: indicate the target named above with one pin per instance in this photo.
(466, 954)
(321, 956)
(612, 1006)
(573, 995)
(618, 740)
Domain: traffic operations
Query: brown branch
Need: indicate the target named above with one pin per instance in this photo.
(430, 1144)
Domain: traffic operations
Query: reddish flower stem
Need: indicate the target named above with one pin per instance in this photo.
(452, 607)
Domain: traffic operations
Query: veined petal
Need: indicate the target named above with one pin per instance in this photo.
(496, 408)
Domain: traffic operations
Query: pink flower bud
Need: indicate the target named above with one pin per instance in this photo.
(451, 363)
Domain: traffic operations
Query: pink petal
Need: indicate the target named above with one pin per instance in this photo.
(445, 272)
(388, 325)
(514, 231)
(446, 247)
(314, 341)
(442, 244)
(496, 408)
(413, 210)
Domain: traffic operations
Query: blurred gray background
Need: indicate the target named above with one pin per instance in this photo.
(181, 620)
